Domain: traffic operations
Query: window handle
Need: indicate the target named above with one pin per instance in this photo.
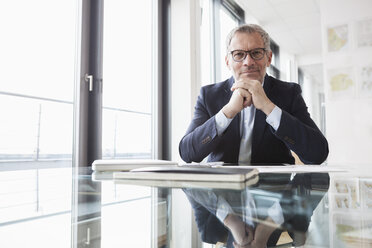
(89, 79)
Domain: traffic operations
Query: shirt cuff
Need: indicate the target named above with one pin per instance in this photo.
(223, 209)
(274, 117)
(276, 213)
(222, 122)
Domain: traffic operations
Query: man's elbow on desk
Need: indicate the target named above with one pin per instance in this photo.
(187, 153)
(316, 156)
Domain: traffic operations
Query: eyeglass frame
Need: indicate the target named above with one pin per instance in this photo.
(246, 52)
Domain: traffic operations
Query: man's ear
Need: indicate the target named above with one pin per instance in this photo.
(269, 57)
(227, 61)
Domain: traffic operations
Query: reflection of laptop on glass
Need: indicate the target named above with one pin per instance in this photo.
(128, 164)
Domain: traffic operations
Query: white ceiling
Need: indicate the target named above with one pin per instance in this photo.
(293, 24)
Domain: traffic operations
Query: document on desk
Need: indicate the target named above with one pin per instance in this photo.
(194, 173)
(128, 164)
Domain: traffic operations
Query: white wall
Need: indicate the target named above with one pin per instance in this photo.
(312, 68)
(288, 66)
(349, 111)
(310, 91)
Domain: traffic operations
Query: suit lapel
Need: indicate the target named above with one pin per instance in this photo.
(260, 124)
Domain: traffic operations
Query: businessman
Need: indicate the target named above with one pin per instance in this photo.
(252, 117)
(249, 118)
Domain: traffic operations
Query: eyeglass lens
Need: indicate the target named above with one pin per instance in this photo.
(240, 55)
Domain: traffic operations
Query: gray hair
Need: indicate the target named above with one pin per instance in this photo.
(249, 28)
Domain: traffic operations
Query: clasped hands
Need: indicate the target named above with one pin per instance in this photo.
(245, 93)
(245, 236)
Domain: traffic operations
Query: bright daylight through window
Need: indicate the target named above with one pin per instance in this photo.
(127, 73)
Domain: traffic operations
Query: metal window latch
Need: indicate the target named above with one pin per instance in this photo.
(87, 242)
(89, 79)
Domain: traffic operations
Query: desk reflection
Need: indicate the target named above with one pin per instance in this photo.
(257, 215)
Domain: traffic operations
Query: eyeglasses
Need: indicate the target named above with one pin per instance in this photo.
(240, 55)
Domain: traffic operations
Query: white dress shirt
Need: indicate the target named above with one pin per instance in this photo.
(246, 128)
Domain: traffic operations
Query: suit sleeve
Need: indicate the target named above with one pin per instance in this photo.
(299, 132)
(210, 227)
(201, 136)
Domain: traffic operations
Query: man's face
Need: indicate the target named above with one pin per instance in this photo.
(248, 68)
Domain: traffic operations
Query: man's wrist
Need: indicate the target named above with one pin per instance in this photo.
(230, 220)
(268, 108)
(264, 231)
(226, 221)
(228, 112)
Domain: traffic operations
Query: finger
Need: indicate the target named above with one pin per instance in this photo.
(239, 84)
(252, 90)
(246, 83)
(243, 92)
(236, 245)
(249, 231)
(247, 102)
(250, 234)
(247, 98)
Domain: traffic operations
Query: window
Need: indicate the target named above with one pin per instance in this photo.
(127, 116)
(37, 50)
(206, 48)
(227, 23)
(36, 94)
(225, 15)
(127, 85)
(274, 69)
(37, 63)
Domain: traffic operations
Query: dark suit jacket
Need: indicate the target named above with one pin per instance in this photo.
(296, 132)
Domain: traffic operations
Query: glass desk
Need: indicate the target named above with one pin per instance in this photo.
(63, 207)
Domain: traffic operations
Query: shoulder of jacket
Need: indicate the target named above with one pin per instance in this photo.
(215, 87)
(284, 84)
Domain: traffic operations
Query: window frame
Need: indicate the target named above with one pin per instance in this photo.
(275, 64)
(237, 13)
(88, 107)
